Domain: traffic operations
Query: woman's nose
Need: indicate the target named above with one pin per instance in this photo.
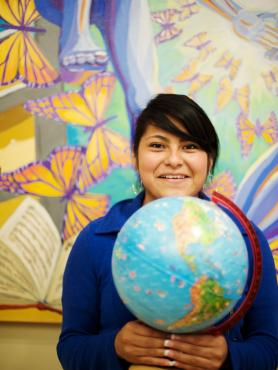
(174, 158)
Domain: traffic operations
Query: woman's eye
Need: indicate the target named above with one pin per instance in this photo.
(156, 145)
(191, 146)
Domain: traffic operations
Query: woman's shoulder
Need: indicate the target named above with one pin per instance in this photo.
(114, 219)
(94, 244)
(110, 223)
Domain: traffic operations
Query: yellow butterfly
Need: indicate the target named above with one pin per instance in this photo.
(20, 57)
(106, 148)
(201, 43)
(57, 176)
(229, 62)
(226, 92)
(188, 9)
(205, 52)
(192, 75)
(247, 131)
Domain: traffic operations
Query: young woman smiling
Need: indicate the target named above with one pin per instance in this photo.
(174, 149)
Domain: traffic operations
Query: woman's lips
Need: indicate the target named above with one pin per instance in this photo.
(173, 176)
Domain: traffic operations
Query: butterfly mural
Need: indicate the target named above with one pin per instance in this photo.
(85, 108)
(228, 62)
(226, 92)
(223, 183)
(247, 131)
(257, 197)
(20, 57)
(165, 18)
(192, 75)
(58, 176)
(188, 9)
(271, 80)
(202, 44)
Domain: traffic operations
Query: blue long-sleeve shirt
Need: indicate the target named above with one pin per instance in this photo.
(93, 312)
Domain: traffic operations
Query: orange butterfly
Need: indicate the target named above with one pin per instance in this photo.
(20, 58)
(226, 92)
(229, 62)
(106, 148)
(222, 183)
(196, 79)
(247, 131)
(57, 177)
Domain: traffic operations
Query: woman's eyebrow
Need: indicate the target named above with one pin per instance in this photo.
(164, 138)
(160, 137)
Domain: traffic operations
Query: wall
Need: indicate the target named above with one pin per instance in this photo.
(33, 346)
(28, 347)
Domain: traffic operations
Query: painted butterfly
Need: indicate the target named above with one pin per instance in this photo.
(57, 176)
(226, 92)
(169, 30)
(196, 79)
(86, 108)
(20, 57)
(247, 131)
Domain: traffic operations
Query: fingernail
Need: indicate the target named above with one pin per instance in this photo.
(166, 352)
(172, 363)
(173, 336)
(167, 343)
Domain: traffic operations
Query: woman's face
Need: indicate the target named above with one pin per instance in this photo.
(169, 165)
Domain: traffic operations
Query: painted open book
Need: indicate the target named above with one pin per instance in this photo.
(32, 259)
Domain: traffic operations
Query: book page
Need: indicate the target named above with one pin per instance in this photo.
(15, 279)
(32, 236)
(55, 290)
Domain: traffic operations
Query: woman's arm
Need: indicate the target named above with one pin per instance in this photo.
(253, 345)
(81, 344)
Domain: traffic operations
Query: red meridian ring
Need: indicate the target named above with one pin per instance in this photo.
(257, 265)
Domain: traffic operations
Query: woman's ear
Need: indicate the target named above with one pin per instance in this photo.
(210, 164)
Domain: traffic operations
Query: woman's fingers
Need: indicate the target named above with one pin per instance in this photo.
(137, 343)
(197, 351)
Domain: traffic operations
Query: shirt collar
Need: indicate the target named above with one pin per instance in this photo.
(118, 215)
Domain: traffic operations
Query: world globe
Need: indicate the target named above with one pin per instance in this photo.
(180, 264)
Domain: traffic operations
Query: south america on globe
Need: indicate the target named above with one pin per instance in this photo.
(180, 264)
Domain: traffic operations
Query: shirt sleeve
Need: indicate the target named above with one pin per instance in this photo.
(253, 344)
(81, 346)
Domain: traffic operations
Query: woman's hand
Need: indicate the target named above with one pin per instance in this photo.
(197, 351)
(137, 343)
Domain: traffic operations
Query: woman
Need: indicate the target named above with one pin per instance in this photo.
(175, 148)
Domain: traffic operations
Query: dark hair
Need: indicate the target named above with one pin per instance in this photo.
(189, 114)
